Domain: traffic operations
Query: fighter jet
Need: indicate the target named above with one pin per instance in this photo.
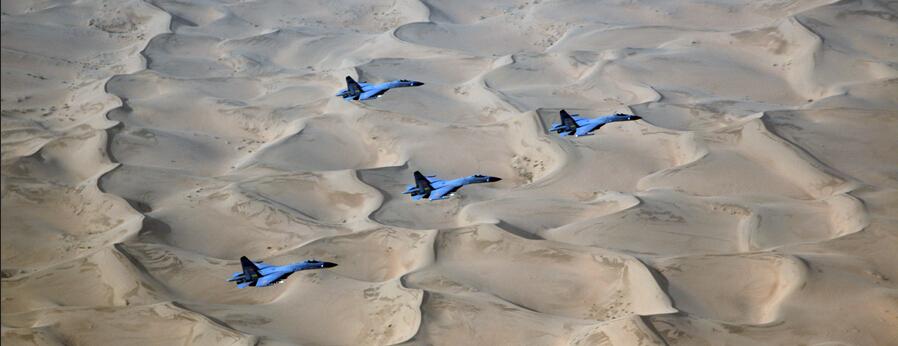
(580, 126)
(263, 274)
(365, 91)
(435, 188)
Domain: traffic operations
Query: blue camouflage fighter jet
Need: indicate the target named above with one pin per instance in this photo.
(365, 91)
(581, 126)
(263, 274)
(434, 188)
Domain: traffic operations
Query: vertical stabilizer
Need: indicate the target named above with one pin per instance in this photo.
(353, 89)
(567, 120)
(251, 272)
(423, 184)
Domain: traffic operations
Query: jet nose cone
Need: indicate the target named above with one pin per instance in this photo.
(635, 117)
(493, 179)
(328, 265)
(416, 83)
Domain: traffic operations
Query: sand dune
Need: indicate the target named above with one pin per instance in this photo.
(146, 146)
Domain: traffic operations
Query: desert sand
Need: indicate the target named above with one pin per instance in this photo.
(147, 145)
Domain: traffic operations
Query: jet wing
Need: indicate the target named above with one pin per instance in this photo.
(586, 129)
(431, 178)
(364, 86)
(443, 191)
(271, 278)
(373, 91)
(581, 121)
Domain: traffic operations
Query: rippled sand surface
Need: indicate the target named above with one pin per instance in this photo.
(147, 145)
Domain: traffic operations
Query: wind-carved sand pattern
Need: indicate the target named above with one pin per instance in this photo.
(148, 145)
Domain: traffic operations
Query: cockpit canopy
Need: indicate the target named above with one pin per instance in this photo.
(312, 261)
(478, 176)
(404, 80)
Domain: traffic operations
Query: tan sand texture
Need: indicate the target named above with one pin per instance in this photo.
(147, 145)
